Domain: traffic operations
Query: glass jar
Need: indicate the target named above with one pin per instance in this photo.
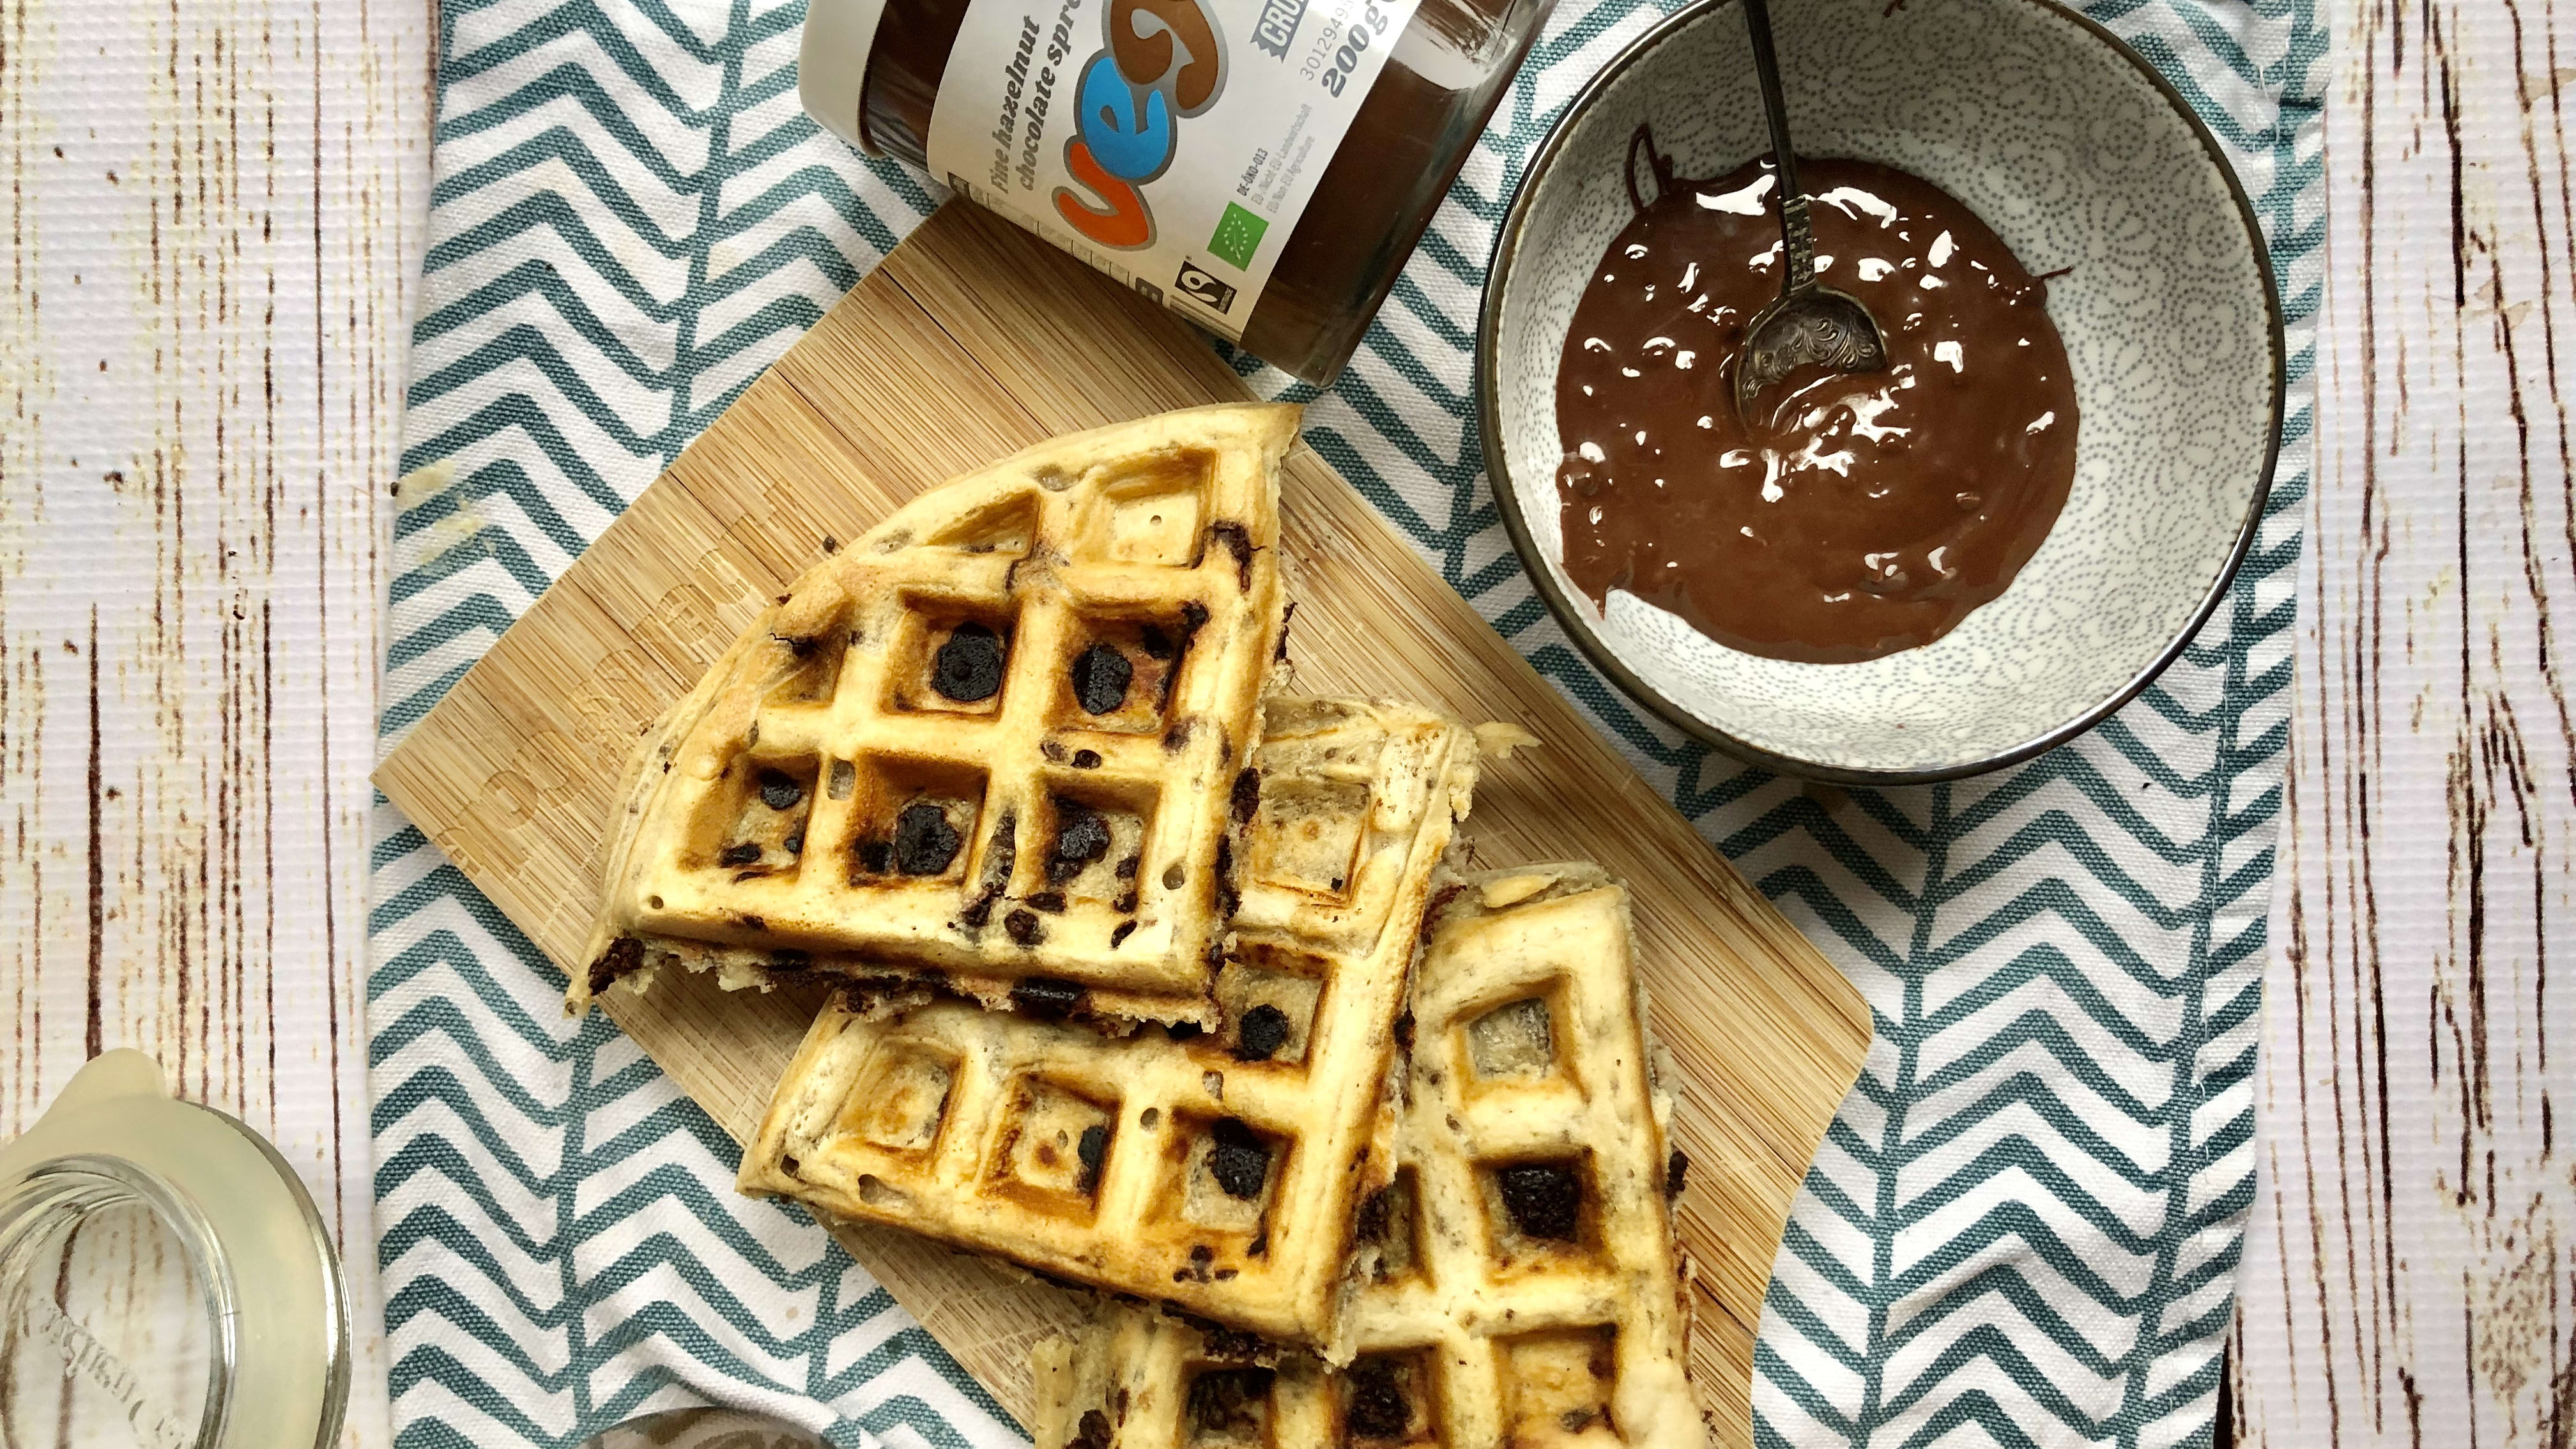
(165, 1281)
(1391, 137)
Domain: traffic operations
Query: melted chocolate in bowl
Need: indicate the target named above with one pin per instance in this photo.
(1863, 514)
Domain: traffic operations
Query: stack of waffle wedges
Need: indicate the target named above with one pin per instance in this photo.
(1155, 979)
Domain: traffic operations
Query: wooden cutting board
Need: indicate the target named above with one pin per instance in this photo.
(970, 342)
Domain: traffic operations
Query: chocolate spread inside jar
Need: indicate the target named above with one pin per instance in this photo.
(1858, 515)
(1412, 132)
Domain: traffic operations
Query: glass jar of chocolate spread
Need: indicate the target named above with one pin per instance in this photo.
(1262, 167)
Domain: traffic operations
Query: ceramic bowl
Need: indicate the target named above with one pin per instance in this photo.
(2080, 157)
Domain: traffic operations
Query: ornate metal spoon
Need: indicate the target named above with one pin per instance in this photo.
(1811, 323)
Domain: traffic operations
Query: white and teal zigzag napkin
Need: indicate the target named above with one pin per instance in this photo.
(2024, 1228)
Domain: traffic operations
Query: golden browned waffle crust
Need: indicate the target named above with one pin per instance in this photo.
(1523, 1288)
(1217, 1172)
(993, 745)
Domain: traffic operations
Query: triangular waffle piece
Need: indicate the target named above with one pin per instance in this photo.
(1217, 1172)
(991, 745)
(1523, 1284)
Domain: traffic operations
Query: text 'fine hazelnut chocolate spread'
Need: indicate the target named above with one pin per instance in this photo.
(1860, 514)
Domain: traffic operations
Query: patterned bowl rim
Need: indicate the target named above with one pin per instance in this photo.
(1577, 622)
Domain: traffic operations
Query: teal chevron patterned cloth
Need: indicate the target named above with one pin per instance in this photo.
(2025, 1226)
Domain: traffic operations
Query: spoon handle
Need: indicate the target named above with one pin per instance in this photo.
(1795, 237)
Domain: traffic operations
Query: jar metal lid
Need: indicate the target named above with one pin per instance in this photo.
(260, 1261)
(832, 64)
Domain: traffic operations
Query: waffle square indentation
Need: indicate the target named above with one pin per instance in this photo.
(1229, 1172)
(1558, 1383)
(762, 806)
(1268, 995)
(1007, 528)
(1306, 836)
(813, 671)
(1514, 1042)
(902, 1101)
(1092, 836)
(913, 820)
(1229, 1408)
(1540, 1212)
(1052, 1145)
(951, 656)
(1152, 511)
(1118, 673)
(1388, 1399)
(1390, 1226)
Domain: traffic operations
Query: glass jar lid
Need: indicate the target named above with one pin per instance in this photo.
(165, 1280)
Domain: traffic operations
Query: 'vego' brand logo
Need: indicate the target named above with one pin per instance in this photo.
(1163, 62)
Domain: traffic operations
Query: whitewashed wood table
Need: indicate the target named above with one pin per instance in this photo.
(211, 222)
(209, 225)
(2411, 1267)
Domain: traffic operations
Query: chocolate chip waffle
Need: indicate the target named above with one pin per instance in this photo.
(991, 745)
(1522, 1281)
(1217, 1171)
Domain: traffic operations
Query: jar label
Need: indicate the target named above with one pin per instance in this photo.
(1171, 143)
